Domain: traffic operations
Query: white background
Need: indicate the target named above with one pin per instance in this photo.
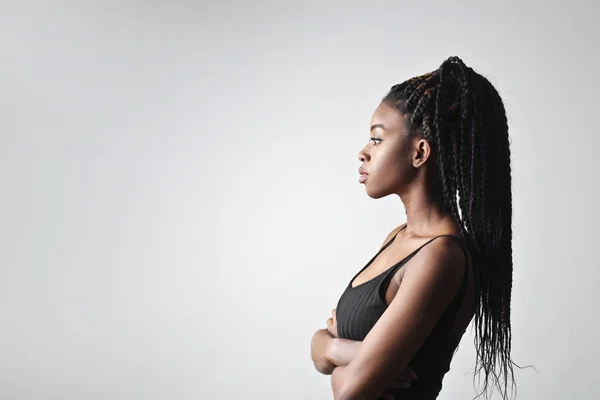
(180, 208)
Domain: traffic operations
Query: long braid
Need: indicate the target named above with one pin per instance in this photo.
(463, 118)
(444, 156)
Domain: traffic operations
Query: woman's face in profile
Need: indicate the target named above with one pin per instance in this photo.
(387, 158)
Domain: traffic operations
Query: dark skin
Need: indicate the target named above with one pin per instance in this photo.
(403, 165)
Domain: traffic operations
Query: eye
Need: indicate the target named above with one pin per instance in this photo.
(375, 140)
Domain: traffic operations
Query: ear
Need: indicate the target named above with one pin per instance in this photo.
(422, 153)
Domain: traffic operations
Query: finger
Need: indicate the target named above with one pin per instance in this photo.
(387, 395)
(412, 373)
(403, 376)
(408, 373)
(402, 379)
(400, 385)
(330, 328)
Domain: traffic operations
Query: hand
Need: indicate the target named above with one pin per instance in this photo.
(402, 380)
(332, 325)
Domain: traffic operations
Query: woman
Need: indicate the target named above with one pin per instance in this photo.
(440, 142)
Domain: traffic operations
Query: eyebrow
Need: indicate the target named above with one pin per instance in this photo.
(378, 126)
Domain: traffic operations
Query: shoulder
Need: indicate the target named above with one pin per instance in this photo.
(444, 249)
(441, 260)
(430, 282)
(428, 287)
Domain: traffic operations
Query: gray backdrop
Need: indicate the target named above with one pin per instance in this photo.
(180, 205)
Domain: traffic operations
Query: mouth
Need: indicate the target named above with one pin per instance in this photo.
(362, 175)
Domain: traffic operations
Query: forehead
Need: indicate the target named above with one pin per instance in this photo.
(389, 117)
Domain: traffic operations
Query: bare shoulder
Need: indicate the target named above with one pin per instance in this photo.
(428, 287)
(442, 256)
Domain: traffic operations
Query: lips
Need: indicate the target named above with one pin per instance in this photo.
(363, 175)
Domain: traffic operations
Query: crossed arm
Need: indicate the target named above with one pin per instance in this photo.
(428, 286)
(329, 352)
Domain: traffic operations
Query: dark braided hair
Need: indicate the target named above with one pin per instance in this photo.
(463, 118)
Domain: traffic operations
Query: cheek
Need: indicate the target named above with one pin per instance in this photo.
(391, 163)
(392, 169)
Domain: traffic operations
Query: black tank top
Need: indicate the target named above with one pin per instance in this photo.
(359, 308)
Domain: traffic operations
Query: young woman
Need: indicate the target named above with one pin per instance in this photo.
(440, 142)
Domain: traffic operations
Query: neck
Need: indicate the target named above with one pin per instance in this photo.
(425, 215)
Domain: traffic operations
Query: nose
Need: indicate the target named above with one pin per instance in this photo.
(362, 155)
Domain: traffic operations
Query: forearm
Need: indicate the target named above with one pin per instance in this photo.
(319, 351)
(342, 351)
(337, 383)
(341, 389)
(328, 352)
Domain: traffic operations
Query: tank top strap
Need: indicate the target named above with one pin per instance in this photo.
(375, 256)
(392, 239)
(391, 271)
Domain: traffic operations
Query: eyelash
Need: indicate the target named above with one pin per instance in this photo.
(374, 140)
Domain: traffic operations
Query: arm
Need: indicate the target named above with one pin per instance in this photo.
(342, 351)
(329, 352)
(319, 349)
(427, 288)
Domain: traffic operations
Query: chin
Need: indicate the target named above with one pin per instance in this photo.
(375, 193)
